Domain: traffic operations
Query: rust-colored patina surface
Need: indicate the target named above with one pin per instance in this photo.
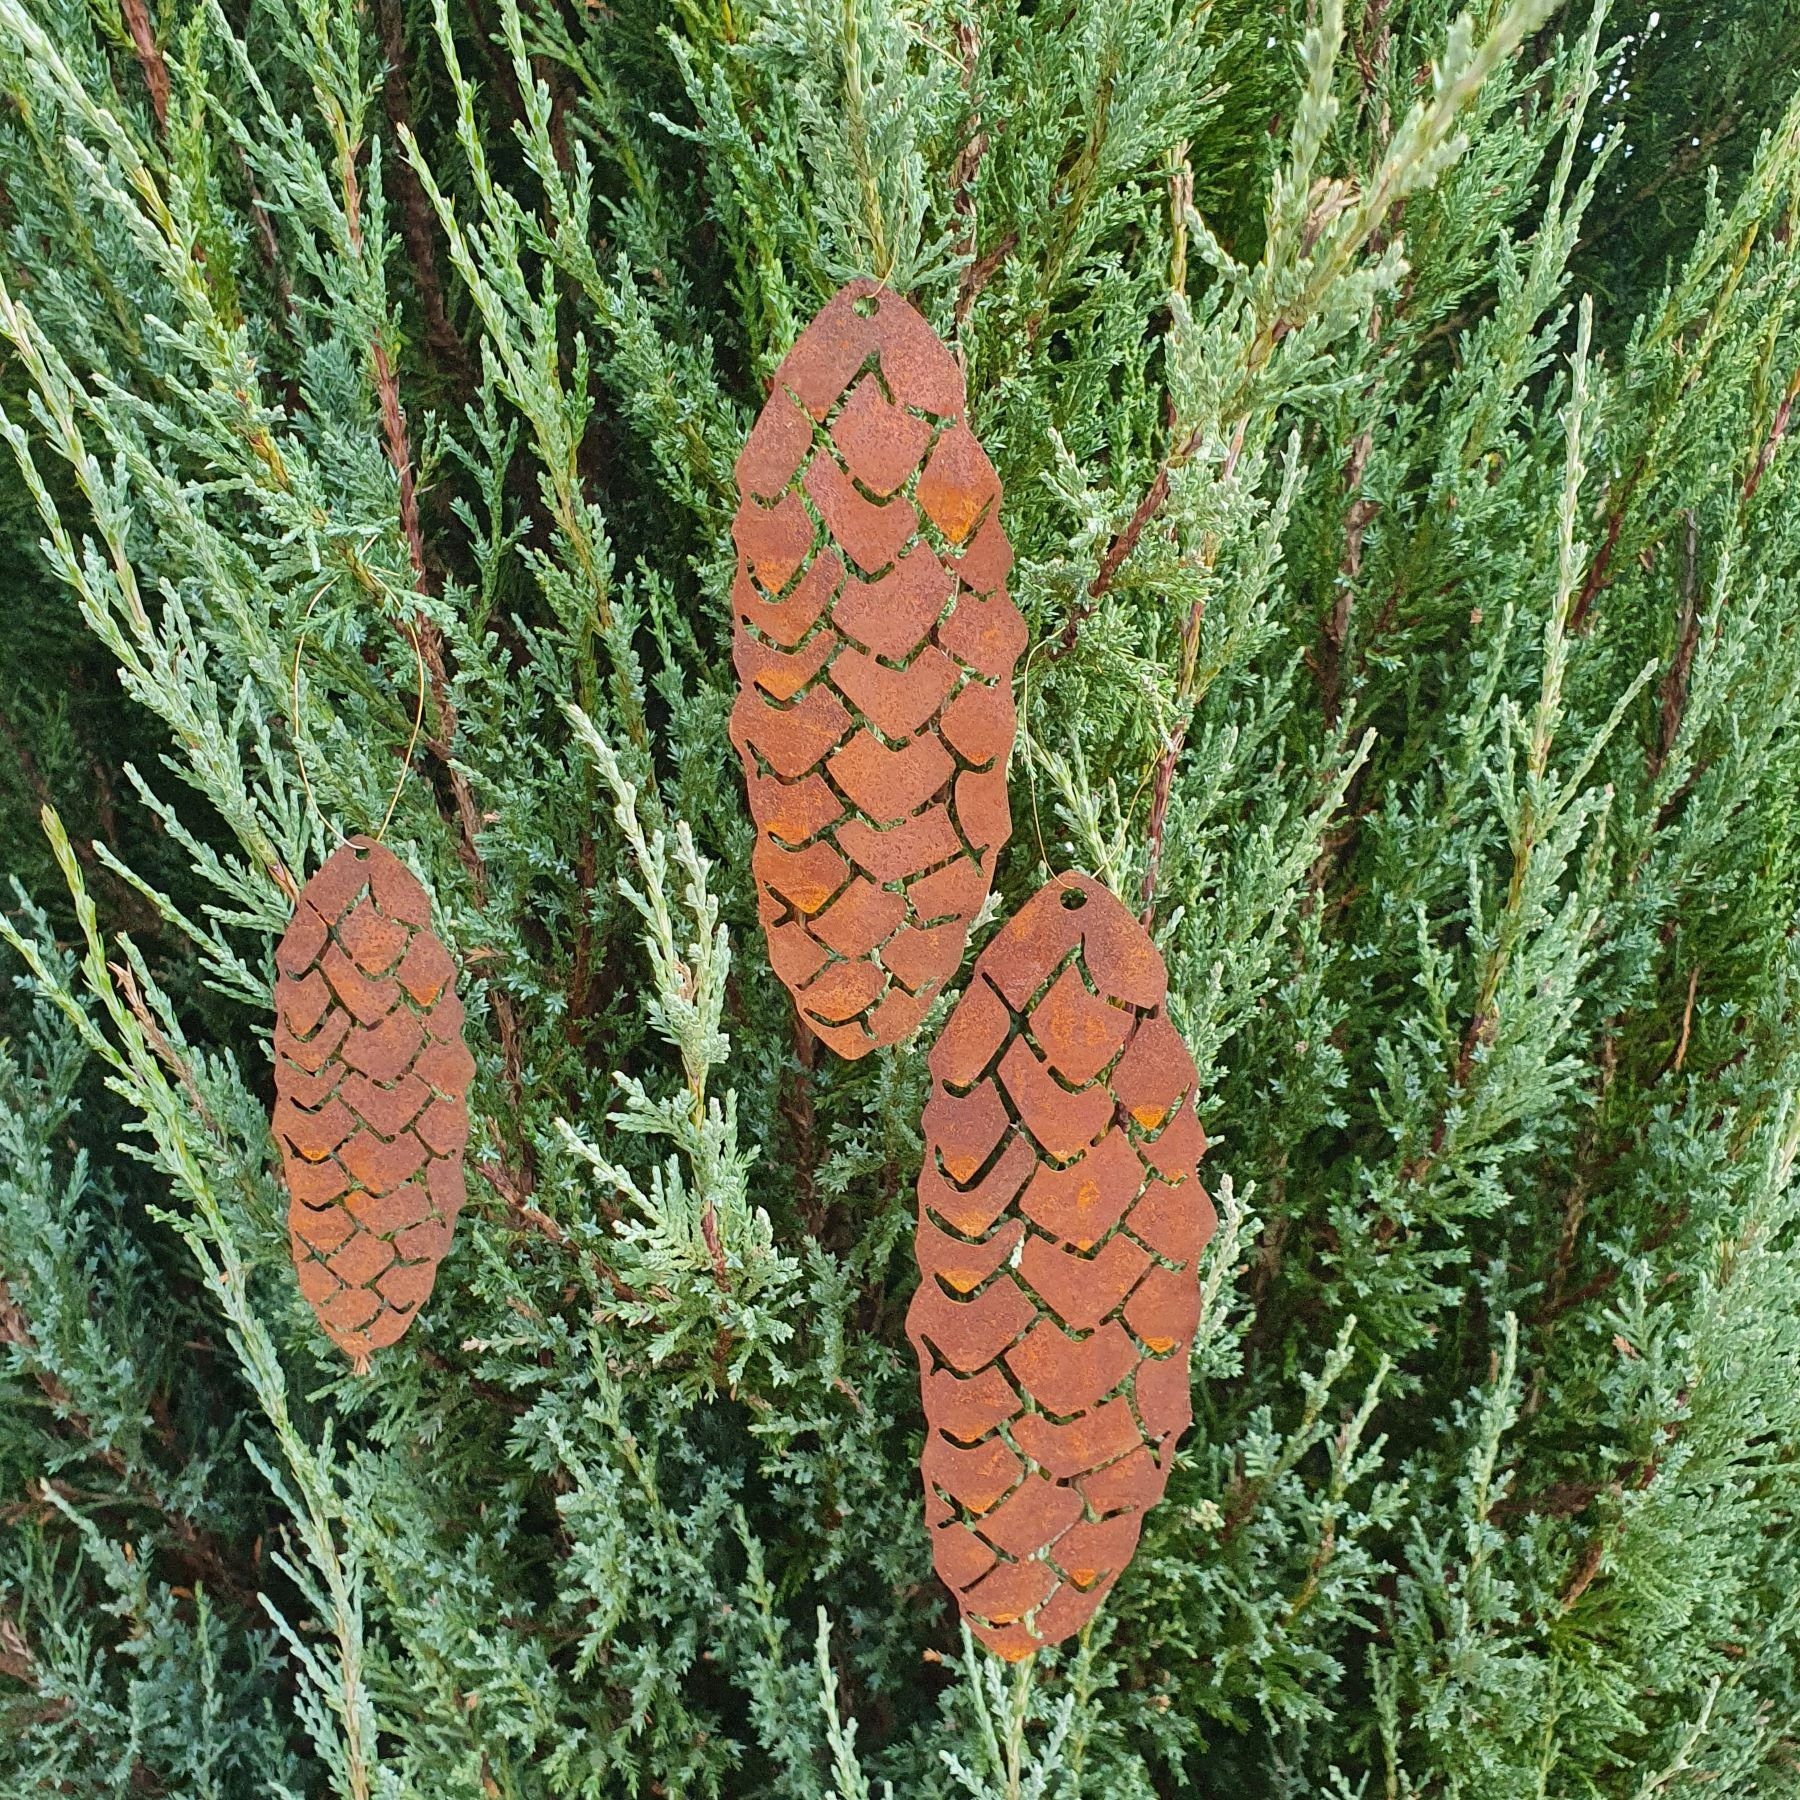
(371, 1085)
(875, 645)
(1061, 1219)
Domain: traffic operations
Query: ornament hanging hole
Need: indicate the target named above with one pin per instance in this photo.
(1073, 899)
(866, 306)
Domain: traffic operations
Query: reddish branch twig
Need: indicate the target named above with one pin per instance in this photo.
(1357, 520)
(1673, 693)
(1783, 418)
(150, 57)
(1114, 559)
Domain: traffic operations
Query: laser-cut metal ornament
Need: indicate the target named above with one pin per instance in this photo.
(371, 1095)
(1061, 1219)
(875, 644)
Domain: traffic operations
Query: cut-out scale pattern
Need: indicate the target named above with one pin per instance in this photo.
(371, 1095)
(1061, 1219)
(874, 646)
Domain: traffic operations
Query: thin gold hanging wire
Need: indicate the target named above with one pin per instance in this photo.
(1181, 200)
(1104, 872)
(412, 743)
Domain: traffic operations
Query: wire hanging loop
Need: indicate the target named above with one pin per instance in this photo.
(1029, 749)
(412, 743)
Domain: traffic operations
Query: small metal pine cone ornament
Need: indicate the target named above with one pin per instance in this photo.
(1061, 1219)
(874, 646)
(371, 1086)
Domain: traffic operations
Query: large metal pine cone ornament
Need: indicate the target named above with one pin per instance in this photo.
(371, 1085)
(1061, 1219)
(875, 646)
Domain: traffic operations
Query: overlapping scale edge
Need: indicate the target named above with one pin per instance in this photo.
(1061, 1220)
(371, 1095)
(874, 645)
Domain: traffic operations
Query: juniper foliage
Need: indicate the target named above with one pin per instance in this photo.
(1395, 416)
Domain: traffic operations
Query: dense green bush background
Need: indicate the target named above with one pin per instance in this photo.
(1467, 635)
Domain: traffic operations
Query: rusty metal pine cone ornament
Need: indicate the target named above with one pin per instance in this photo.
(1061, 1219)
(371, 1095)
(874, 646)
